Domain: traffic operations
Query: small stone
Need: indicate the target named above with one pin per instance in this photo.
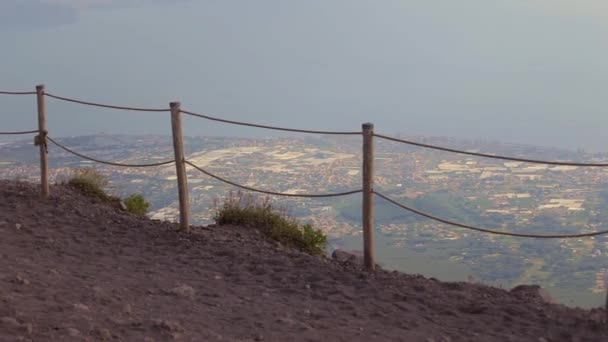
(217, 277)
(533, 293)
(473, 308)
(123, 206)
(103, 334)
(308, 286)
(18, 226)
(352, 257)
(185, 291)
(380, 314)
(80, 306)
(10, 321)
(167, 325)
(28, 327)
(118, 321)
(73, 332)
(21, 280)
(284, 320)
(258, 337)
(126, 309)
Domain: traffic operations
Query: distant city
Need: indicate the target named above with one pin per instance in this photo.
(513, 196)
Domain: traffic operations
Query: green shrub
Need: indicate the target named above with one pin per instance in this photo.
(245, 210)
(136, 204)
(91, 183)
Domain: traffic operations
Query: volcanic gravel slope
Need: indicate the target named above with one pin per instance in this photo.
(75, 269)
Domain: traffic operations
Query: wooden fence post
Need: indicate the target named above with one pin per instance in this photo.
(606, 303)
(180, 167)
(42, 143)
(368, 196)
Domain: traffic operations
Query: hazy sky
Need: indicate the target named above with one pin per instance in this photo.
(512, 70)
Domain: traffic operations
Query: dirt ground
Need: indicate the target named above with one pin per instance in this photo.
(74, 269)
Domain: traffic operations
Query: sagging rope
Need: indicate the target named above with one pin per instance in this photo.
(485, 155)
(270, 127)
(137, 109)
(19, 132)
(489, 231)
(106, 162)
(17, 93)
(346, 193)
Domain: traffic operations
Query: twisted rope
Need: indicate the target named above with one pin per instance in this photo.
(17, 93)
(485, 230)
(106, 162)
(17, 133)
(346, 193)
(137, 109)
(269, 127)
(452, 150)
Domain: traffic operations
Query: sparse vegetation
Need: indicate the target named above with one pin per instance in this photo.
(91, 182)
(246, 210)
(136, 204)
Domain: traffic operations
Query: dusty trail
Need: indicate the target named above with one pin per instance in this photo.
(73, 269)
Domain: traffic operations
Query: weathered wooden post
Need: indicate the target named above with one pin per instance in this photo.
(368, 196)
(41, 141)
(180, 167)
(606, 303)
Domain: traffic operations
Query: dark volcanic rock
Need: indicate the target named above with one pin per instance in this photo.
(344, 256)
(533, 292)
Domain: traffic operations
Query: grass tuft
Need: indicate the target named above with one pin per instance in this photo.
(246, 210)
(91, 183)
(137, 204)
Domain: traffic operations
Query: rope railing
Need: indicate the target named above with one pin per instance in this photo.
(276, 128)
(19, 132)
(207, 117)
(17, 93)
(493, 156)
(367, 134)
(486, 230)
(93, 104)
(241, 123)
(106, 162)
(244, 187)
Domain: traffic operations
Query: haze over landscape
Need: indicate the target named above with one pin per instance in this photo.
(469, 245)
(512, 71)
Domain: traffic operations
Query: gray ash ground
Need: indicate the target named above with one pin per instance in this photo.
(75, 269)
